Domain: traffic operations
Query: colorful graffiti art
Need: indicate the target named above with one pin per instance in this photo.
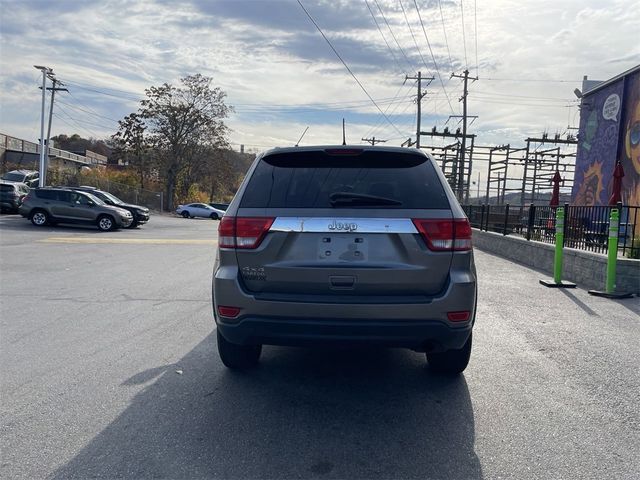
(630, 139)
(598, 145)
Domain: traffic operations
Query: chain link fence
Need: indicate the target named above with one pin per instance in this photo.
(138, 196)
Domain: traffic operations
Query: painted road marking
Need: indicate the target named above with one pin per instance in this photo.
(131, 241)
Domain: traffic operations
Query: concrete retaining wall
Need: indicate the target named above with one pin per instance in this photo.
(586, 269)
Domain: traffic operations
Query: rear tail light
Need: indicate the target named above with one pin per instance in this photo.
(445, 235)
(243, 232)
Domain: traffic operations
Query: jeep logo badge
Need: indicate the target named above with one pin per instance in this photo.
(349, 227)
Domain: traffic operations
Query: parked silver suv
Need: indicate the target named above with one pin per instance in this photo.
(345, 245)
(61, 205)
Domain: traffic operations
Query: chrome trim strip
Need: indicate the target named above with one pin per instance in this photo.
(343, 225)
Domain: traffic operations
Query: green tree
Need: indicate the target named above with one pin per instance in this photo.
(181, 123)
(131, 146)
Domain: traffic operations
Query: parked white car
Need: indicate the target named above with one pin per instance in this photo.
(199, 210)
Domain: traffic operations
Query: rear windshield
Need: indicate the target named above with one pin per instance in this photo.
(13, 177)
(319, 180)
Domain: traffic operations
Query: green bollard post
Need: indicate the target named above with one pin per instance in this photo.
(612, 250)
(557, 259)
(612, 258)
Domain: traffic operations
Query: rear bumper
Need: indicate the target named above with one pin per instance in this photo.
(431, 336)
(9, 205)
(419, 325)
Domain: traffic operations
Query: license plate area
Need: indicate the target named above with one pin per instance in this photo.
(343, 248)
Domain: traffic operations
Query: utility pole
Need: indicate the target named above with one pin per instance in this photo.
(373, 140)
(463, 99)
(54, 89)
(421, 94)
(45, 71)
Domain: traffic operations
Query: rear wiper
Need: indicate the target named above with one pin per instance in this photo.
(348, 198)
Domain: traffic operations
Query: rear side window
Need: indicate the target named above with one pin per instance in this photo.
(316, 179)
(47, 194)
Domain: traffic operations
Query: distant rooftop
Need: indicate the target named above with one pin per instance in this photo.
(7, 142)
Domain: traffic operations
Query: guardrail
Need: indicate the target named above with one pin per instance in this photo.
(586, 228)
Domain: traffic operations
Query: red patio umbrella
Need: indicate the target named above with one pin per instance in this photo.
(555, 196)
(616, 190)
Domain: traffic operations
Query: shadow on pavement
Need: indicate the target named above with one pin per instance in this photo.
(320, 413)
(579, 303)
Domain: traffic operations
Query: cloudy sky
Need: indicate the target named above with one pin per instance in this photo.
(281, 75)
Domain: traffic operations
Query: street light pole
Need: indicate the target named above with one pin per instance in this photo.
(45, 71)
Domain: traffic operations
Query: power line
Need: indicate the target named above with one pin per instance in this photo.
(105, 90)
(546, 105)
(89, 108)
(87, 111)
(475, 30)
(413, 36)
(313, 108)
(444, 30)
(102, 92)
(482, 92)
(393, 35)
(435, 64)
(530, 80)
(383, 37)
(464, 37)
(85, 121)
(379, 124)
(346, 66)
(76, 126)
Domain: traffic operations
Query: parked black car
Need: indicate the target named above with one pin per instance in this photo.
(11, 195)
(140, 214)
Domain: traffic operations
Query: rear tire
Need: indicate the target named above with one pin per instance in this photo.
(106, 223)
(185, 214)
(452, 361)
(237, 357)
(39, 218)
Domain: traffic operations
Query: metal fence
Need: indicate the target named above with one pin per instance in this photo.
(586, 228)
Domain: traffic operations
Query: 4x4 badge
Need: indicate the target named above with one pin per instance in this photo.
(349, 227)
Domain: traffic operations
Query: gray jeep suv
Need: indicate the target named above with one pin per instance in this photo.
(61, 205)
(345, 245)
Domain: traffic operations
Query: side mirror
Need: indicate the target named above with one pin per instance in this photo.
(90, 203)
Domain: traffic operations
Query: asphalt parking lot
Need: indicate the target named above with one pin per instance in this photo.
(109, 370)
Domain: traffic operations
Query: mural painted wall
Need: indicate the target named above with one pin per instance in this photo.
(629, 151)
(600, 120)
(609, 131)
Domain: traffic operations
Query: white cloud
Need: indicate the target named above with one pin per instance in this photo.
(269, 53)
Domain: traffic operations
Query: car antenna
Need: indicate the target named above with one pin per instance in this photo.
(344, 138)
(300, 139)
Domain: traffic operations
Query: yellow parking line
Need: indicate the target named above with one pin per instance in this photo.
(132, 241)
